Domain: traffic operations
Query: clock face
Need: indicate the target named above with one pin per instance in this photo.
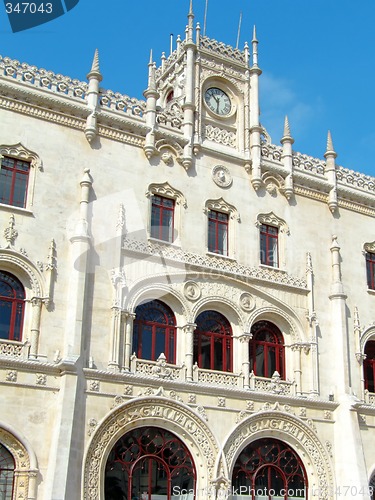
(218, 101)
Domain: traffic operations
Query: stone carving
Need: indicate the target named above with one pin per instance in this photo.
(308, 163)
(221, 402)
(294, 430)
(161, 369)
(94, 385)
(202, 412)
(172, 115)
(247, 302)
(250, 405)
(128, 390)
(10, 233)
(117, 401)
(115, 101)
(192, 399)
(41, 379)
(327, 415)
(11, 376)
(222, 49)
(92, 424)
(166, 414)
(221, 136)
(12, 350)
(192, 291)
(222, 176)
(168, 191)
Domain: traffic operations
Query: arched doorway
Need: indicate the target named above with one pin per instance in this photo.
(268, 469)
(149, 463)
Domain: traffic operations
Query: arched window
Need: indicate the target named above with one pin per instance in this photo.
(149, 464)
(269, 469)
(154, 331)
(7, 466)
(266, 350)
(213, 342)
(12, 303)
(369, 366)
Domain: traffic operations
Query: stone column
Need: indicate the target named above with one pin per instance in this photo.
(114, 362)
(245, 339)
(129, 317)
(189, 349)
(36, 303)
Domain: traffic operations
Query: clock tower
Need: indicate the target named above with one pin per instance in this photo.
(208, 92)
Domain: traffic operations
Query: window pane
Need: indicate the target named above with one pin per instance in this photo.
(5, 317)
(19, 191)
(223, 239)
(5, 186)
(159, 342)
(147, 342)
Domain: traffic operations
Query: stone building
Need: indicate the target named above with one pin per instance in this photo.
(187, 309)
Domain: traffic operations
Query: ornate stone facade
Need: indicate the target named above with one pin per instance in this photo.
(103, 170)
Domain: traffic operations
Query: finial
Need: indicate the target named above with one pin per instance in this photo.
(254, 34)
(150, 61)
(95, 69)
(191, 8)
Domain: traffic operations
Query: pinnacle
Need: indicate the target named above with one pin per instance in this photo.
(95, 69)
(329, 142)
(254, 34)
(286, 127)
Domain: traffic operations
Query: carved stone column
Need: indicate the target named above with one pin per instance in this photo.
(245, 339)
(36, 303)
(128, 339)
(297, 349)
(114, 361)
(189, 349)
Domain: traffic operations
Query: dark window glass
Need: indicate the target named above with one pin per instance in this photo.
(266, 350)
(370, 266)
(154, 331)
(12, 303)
(268, 469)
(162, 215)
(213, 342)
(369, 366)
(217, 232)
(269, 254)
(149, 463)
(14, 177)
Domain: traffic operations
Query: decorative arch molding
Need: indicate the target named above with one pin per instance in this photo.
(274, 314)
(165, 189)
(150, 288)
(19, 151)
(273, 220)
(220, 304)
(221, 205)
(26, 465)
(17, 263)
(367, 334)
(294, 432)
(170, 415)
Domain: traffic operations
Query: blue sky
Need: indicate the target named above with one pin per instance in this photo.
(316, 55)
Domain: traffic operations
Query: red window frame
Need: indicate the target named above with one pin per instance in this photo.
(218, 225)
(270, 466)
(12, 307)
(14, 179)
(153, 457)
(154, 331)
(213, 342)
(369, 366)
(269, 238)
(267, 344)
(162, 218)
(370, 267)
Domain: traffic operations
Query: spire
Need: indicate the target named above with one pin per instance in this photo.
(95, 69)
(254, 42)
(330, 150)
(190, 25)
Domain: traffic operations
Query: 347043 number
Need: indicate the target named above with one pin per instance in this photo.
(29, 8)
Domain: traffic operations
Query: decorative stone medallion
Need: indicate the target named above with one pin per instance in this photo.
(192, 291)
(247, 302)
(221, 176)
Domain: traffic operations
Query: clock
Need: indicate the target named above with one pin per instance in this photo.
(218, 101)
